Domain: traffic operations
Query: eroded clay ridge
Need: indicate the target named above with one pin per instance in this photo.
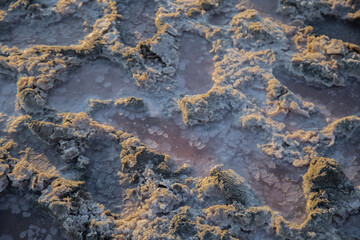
(179, 119)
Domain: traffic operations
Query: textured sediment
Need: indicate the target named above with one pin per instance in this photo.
(105, 129)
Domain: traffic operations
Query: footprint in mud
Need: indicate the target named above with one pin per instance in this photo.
(279, 187)
(281, 190)
(21, 220)
(102, 179)
(164, 136)
(347, 154)
(7, 94)
(40, 154)
(196, 65)
(332, 102)
(138, 20)
(334, 28)
(99, 79)
(351, 226)
(65, 32)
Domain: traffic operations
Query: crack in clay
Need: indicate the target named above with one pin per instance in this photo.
(281, 190)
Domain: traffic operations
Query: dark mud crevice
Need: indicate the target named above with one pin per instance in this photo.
(338, 29)
(151, 56)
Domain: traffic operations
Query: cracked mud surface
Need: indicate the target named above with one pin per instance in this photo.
(180, 119)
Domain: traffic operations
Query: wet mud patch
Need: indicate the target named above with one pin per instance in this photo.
(138, 20)
(63, 33)
(333, 102)
(196, 65)
(99, 79)
(22, 219)
(7, 94)
(102, 179)
(334, 28)
(164, 136)
(4, 5)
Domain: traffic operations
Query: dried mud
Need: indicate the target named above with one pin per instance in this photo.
(179, 119)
